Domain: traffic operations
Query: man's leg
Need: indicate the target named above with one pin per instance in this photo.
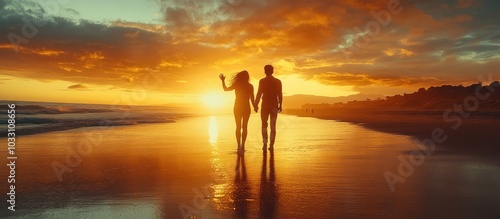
(274, 116)
(264, 115)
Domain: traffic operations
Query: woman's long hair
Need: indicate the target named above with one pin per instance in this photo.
(240, 78)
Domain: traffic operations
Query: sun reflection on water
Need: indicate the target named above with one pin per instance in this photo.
(220, 185)
(212, 130)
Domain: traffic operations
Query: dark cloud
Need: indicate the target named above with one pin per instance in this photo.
(120, 54)
(77, 86)
(3, 3)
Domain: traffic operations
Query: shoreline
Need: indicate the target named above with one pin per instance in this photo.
(55, 127)
(476, 134)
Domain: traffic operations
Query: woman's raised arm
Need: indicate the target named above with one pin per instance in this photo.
(223, 79)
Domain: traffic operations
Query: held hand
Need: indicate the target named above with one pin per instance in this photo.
(256, 108)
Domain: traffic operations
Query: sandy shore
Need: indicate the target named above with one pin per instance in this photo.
(475, 134)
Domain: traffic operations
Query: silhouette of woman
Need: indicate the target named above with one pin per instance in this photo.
(244, 94)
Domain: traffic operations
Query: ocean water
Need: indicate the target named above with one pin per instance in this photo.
(39, 117)
(190, 169)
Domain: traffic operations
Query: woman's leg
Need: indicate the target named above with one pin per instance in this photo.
(238, 117)
(245, 128)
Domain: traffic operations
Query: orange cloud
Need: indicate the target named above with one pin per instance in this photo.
(359, 80)
(426, 43)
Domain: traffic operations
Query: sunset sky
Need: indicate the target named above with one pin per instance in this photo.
(171, 51)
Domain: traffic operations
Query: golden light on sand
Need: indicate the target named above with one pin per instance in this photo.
(213, 100)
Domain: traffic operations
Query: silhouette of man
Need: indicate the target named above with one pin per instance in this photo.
(272, 101)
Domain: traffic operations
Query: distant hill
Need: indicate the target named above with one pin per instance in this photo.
(445, 97)
(297, 101)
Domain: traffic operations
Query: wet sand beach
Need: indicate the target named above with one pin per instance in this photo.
(475, 133)
(319, 169)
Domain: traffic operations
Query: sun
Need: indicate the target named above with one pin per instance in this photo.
(213, 100)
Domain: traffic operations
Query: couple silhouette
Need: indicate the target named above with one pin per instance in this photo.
(270, 90)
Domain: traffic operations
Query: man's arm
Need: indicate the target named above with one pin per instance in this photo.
(280, 96)
(252, 99)
(259, 94)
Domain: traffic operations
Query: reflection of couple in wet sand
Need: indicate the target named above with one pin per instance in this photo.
(272, 99)
(268, 194)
